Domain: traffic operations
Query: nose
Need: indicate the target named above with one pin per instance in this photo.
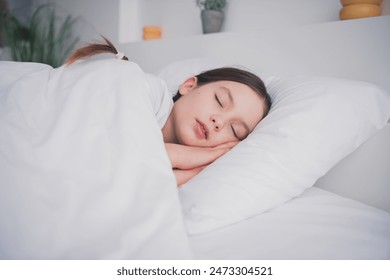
(217, 122)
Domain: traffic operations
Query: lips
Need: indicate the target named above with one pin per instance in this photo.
(201, 130)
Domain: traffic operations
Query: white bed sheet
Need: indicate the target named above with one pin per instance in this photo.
(316, 225)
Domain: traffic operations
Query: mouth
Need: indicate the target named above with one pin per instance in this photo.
(201, 130)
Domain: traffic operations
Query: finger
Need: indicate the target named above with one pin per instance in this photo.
(204, 157)
(228, 145)
(188, 157)
(198, 157)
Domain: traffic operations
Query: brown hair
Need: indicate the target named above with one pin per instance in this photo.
(234, 75)
(91, 49)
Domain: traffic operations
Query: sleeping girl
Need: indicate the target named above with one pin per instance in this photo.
(209, 115)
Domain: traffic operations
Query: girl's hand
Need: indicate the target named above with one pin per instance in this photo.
(189, 157)
(187, 161)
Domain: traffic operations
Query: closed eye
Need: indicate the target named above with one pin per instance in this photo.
(219, 102)
(235, 133)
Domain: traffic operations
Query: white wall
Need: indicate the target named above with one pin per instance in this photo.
(122, 20)
(255, 14)
(20, 8)
(176, 17)
(95, 17)
(182, 17)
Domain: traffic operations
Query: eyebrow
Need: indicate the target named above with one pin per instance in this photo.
(230, 96)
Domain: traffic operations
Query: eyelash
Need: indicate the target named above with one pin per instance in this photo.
(234, 132)
(220, 104)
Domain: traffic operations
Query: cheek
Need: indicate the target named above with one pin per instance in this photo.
(182, 110)
(223, 137)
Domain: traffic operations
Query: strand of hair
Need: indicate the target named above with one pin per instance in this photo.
(92, 49)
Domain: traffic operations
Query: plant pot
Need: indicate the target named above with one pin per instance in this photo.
(212, 21)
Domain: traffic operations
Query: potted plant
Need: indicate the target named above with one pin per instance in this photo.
(212, 14)
(42, 40)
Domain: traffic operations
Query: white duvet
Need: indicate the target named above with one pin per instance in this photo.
(83, 170)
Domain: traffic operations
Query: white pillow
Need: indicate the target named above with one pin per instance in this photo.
(313, 124)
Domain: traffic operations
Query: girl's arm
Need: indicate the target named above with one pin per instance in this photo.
(182, 176)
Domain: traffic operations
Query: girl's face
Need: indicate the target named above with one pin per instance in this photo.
(213, 114)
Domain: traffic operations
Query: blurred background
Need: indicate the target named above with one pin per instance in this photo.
(122, 21)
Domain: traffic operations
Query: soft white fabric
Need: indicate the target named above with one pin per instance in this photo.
(317, 225)
(161, 98)
(83, 169)
(313, 124)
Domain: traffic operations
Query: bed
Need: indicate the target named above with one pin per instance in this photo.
(311, 182)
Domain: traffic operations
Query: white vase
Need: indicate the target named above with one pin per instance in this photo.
(212, 21)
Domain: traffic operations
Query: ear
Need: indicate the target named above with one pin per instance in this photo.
(188, 85)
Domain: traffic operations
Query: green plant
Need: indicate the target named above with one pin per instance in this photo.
(41, 40)
(217, 5)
